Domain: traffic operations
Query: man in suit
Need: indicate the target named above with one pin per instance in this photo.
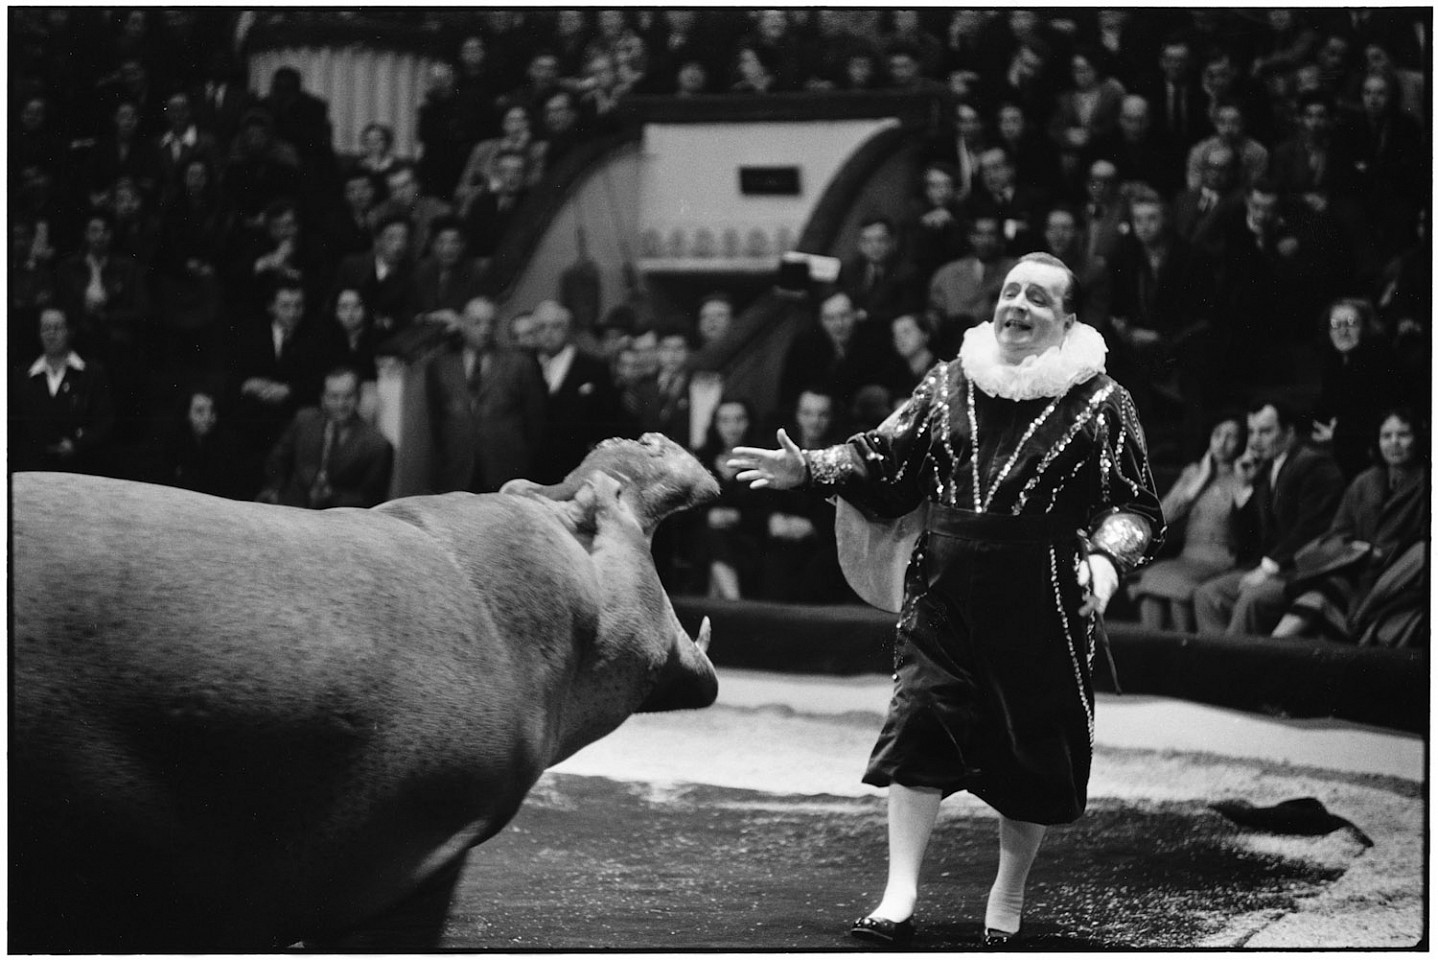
(384, 276)
(1140, 151)
(486, 406)
(330, 457)
(963, 292)
(878, 281)
(1180, 107)
(1288, 494)
(277, 368)
(583, 404)
(303, 119)
(488, 218)
(1018, 206)
(406, 200)
(104, 294)
(446, 280)
(60, 409)
(183, 140)
(838, 353)
(1199, 214)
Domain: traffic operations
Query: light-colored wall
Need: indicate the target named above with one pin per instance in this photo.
(691, 204)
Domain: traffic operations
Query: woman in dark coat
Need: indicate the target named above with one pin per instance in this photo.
(1354, 583)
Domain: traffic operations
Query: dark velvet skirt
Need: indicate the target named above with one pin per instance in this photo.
(993, 675)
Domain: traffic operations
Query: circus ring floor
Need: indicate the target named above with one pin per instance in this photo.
(744, 828)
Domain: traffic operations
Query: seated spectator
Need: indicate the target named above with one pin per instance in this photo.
(964, 292)
(727, 547)
(1199, 512)
(1362, 581)
(1224, 82)
(1139, 150)
(136, 225)
(755, 70)
(800, 555)
(522, 333)
(542, 79)
(446, 132)
(878, 280)
(261, 169)
(201, 450)
(907, 33)
(1016, 204)
(279, 250)
(405, 199)
(1229, 133)
(478, 85)
(680, 43)
(376, 150)
(486, 406)
(105, 297)
(1262, 295)
(491, 213)
(960, 144)
(912, 336)
(570, 40)
(906, 71)
(583, 405)
(1086, 112)
(935, 234)
(1036, 163)
(862, 70)
(330, 457)
(1200, 213)
(448, 278)
(1383, 147)
(1160, 304)
(385, 277)
(1357, 385)
(666, 410)
(774, 46)
(30, 285)
(61, 415)
(600, 93)
(561, 130)
(194, 230)
(1304, 166)
(837, 352)
(482, 175)
(277, 368)
(1105, 213)
(1063, 236)
(356, 346)
(350, 230)
(182, 141)
(122, 152)
(692, 79)
(1286, 495)
(302, 119)
(1180, 107)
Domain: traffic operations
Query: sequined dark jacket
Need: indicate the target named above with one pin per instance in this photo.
(1081, 456)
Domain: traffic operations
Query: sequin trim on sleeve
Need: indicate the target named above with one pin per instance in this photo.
(830, 465)
(1123, 537)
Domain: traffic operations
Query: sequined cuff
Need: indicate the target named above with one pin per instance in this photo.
(1123, 538)
(830, 466)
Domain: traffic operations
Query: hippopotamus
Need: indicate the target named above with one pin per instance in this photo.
(238, 726)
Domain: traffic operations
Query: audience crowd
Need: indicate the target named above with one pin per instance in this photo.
(201, 277)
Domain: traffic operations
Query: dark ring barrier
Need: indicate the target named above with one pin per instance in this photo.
(1290, 678)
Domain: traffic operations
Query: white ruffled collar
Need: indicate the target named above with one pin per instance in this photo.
(1050, 374)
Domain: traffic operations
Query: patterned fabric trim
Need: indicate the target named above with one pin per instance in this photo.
(1123, 537)
(830, 465)
(1069, 638)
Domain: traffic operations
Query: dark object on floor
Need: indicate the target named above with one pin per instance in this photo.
(1305, 816)
(890, 933)
(1000, 939)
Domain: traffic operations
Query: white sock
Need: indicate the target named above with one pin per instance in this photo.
(1018, 846)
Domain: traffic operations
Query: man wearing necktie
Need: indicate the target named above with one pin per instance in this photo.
(1287, 495)
(329, 457)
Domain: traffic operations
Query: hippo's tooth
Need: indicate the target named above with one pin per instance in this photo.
(703, 641)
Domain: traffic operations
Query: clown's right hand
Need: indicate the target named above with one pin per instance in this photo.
(781, 469)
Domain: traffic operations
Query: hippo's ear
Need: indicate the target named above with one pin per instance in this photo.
(521, 487)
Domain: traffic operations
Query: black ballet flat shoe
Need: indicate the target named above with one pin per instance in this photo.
(890, 933)
(996, 939)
